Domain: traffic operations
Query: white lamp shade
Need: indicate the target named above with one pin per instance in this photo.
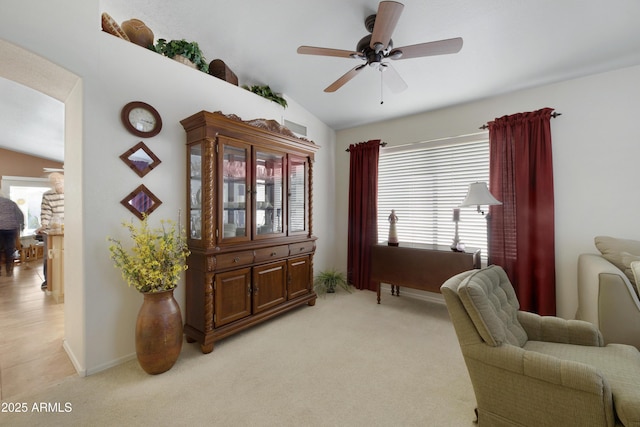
(479, 195)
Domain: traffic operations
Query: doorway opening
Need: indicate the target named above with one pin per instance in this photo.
(52, 354)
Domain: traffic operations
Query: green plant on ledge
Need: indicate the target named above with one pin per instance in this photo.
(327, 281)
(266, 92)
(189, 50)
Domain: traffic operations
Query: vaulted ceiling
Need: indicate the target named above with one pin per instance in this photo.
(508, 45)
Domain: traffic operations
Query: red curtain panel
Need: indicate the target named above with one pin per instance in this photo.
(521, 231)
(363, 206)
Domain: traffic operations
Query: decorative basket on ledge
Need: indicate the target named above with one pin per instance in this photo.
(185, 61)
(219, 69)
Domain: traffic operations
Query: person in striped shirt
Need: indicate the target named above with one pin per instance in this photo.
(52, 208)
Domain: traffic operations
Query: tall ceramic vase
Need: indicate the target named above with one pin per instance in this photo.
(158, 332)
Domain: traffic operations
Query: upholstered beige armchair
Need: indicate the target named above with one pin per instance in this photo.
(529, 370)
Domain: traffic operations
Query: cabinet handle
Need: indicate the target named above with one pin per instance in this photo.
(273, 254)
(236, 259)
(301, 249)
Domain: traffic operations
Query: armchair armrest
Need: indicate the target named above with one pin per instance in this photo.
(607, 299)
(591, 267)
(507, 375)
(531, 364)
(556, 329)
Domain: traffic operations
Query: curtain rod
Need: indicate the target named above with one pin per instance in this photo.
(383, 144)
(553, 115)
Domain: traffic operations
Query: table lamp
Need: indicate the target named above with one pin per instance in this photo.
(479, 194)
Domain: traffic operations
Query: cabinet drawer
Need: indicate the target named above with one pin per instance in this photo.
(273, 252)
(301, 248)
(235, 259)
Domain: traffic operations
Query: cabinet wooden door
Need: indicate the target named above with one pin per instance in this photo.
(299, 270)
(269, 285)
(195, 190)
(298, 195)
(232, 296)
(234, 190)
(268, 194)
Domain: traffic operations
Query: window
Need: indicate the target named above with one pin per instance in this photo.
(27, 193)
(424, 182)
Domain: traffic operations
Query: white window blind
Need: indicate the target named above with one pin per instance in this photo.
(424, 182)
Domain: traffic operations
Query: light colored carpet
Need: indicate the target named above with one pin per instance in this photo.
(345, 362)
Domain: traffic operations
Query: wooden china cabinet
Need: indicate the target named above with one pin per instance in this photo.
(250, 229)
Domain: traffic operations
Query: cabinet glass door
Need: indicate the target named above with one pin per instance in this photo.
(235, 192)
(195, 192)
(269, 188)
(297, 194)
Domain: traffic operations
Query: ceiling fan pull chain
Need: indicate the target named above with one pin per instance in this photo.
(381, 88)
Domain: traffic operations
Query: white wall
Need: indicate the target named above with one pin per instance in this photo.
(100, 311)
(595, 147)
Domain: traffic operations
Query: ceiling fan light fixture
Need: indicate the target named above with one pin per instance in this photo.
(395, 54)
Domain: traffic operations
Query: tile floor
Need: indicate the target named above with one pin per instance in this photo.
(31, 333)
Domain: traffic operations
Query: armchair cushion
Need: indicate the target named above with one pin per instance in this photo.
(491, 302)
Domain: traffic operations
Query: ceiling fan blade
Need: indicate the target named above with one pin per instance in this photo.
(323, 51)
(345, 78)
(392, 78)
(386, 19)
(441, 47)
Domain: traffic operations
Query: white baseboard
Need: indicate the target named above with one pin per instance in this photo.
(83, 372)
(111, 364)
(74, 360)
(414, 293)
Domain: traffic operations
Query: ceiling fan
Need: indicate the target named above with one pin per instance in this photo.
(376, 48)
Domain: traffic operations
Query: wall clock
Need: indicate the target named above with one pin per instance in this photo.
(141, 119)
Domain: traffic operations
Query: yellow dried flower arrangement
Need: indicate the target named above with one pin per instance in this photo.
(156, 259)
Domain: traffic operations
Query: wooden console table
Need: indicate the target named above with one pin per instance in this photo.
(55, 264)
(419, 266)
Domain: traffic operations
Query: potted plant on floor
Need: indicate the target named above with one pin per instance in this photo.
(327, 281)
(182, 50)
(153, 265)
